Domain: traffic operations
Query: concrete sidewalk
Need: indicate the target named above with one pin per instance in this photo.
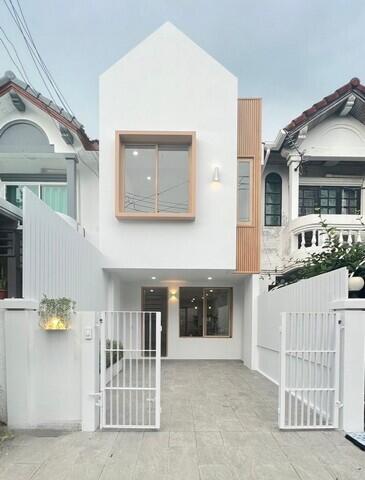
(218, 422)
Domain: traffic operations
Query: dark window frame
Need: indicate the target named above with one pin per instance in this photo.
(329, 200)
(203, 311)
(269, 216)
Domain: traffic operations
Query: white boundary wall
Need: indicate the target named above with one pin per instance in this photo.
(40, 372)
(57, 260)
(313, 295)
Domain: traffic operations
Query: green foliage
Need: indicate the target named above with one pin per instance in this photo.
(333, 255)
(56, 307)
(117, 352)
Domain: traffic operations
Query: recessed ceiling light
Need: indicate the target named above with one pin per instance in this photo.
(153, 278)
(196, 308)
(135, 153)
(210, 278)
(149, 178)
(151, 290)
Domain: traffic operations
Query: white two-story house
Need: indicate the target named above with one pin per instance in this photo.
(180, 167)
(316, 165)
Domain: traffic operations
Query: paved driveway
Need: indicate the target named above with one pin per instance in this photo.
(218, 422)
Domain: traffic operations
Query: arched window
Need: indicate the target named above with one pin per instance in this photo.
(23, 136)
(273, 200)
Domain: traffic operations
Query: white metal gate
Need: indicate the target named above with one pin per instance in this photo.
(309, 371)
(130, 366)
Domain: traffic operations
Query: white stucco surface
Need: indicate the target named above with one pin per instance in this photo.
(168, 83)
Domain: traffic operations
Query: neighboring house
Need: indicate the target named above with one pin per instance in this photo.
(315, 166)
(45, 149)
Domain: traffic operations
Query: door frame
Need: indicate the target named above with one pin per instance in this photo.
(167, 314)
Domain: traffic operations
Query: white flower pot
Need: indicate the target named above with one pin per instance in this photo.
(355, 284)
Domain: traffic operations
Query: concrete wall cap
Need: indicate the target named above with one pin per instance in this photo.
(18, 304)
(349, 304)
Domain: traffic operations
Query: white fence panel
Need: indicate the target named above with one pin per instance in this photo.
(309, 371)
(57, 260)
(313, 295)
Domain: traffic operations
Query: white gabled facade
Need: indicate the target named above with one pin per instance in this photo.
(168, 83)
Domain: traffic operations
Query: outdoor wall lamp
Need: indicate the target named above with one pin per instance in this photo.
(173, 295)
(216, 175)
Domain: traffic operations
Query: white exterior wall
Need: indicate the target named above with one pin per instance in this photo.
(57, 260)
(315, 294)
(168, 83)
(339, 137)
(187, 347)
(3, 409)
(43, 373)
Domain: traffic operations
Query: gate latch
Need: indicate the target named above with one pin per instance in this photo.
(98, 398)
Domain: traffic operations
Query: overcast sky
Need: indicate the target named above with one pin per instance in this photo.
(289, 52)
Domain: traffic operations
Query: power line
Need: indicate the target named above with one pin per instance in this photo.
(10, 56)
(43, 64)
(20, 69)
(17, 23)
(21, 23)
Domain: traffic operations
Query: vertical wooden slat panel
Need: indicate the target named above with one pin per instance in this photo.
(249, 146)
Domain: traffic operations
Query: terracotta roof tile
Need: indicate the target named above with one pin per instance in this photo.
(353, 84)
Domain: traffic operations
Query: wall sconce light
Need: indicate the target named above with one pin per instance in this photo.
(216, 175)
(173, 295)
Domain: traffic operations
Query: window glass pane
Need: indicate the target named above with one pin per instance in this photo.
(140, 179)
(243, 191)
(218, 303)
(14, 193)
(273, 200)
(191, 311)
(55, 196)
(173, 181)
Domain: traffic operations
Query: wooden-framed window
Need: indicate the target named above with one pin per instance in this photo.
(244, 191)
(155, 175)
(273, 191)
(205, 312)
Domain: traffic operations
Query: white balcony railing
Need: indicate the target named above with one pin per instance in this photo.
(306, 235)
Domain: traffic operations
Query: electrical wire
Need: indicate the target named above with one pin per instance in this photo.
(20, 68)
(46, 70)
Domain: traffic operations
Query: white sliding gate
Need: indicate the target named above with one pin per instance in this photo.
(130, 366)
(309, 371)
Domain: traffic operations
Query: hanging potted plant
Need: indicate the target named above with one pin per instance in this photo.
(3, 284)
(56, 313)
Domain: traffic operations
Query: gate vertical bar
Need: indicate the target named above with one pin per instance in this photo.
(158, 369)
(336, 366)
(102, 370)
(282, 399)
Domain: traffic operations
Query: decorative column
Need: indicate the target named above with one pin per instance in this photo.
(71, 186)
(293, 164)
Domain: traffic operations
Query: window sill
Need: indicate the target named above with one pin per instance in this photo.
(155, 216)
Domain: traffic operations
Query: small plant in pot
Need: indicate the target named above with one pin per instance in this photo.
(56, 313)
